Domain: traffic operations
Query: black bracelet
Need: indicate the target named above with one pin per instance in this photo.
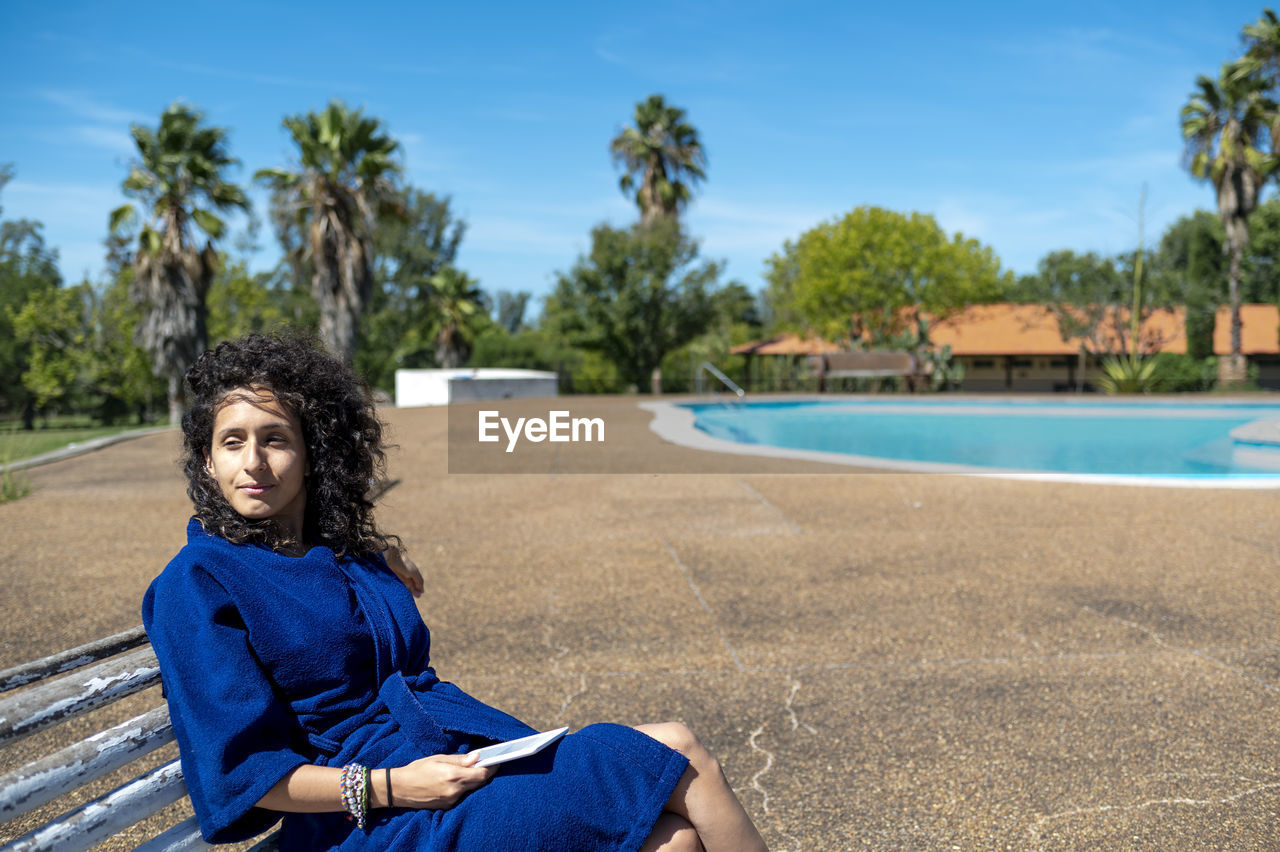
(389, 799)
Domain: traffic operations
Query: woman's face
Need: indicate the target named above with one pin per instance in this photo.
(259, 460)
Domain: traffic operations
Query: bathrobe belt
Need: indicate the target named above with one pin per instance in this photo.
(395, 699)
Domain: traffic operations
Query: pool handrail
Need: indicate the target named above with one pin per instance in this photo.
(707, 366)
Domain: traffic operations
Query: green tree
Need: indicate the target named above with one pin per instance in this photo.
(1226, 125)
(177, 178)
(411, 250)
(1262, 51)
(883, 268)
(1260, 280)
(343, 183)
(637, 295)
(578, 370)
(509, 310)
(120, 371)
(27, 269)
(460, 314)
(661, 157)
(1190, 267)
(241, 302)
(735, 319)
(55, 326)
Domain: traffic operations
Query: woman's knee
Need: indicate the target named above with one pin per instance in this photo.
(677, 735)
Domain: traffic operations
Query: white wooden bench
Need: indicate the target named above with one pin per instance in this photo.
(38, 695)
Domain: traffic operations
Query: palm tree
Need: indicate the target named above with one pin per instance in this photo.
(458, 306)
(178, 175)
(1225, 125)
(663, 154)
(1262, 54)
(344, 182)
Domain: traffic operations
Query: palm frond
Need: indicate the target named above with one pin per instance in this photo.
(209, 223)
(122, 218)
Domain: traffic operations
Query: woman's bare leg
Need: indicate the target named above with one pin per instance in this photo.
(704, 797)
(672, 833)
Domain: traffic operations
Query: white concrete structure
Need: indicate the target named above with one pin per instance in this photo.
(416, 388)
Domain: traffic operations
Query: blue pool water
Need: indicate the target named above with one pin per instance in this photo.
(1121, 439)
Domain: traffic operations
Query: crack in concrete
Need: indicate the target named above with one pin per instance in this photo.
(1100, 809)
(554, 660)
(791, 696)
(696, 593)
(1160, 640)
(582, 688)
(1155, 637)
(1201, 775)
(890, 666)
(796, 529)
(768, 764)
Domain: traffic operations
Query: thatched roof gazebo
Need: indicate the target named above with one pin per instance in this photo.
(786, 344)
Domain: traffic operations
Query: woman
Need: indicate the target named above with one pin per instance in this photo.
(296, 664)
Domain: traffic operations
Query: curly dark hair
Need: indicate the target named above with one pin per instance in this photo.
(341, 431)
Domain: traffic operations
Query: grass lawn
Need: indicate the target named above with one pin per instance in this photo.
(15, 443)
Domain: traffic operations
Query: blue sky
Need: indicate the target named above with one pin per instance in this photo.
(1032, 127)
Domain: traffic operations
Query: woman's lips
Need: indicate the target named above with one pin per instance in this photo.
(255, 489)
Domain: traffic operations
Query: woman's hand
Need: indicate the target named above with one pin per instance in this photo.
(437, 782)
(403, 567)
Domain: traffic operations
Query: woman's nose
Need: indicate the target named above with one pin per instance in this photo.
(255, 457)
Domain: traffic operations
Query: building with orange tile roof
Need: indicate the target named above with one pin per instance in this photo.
(1018, 347)
(1012, 329)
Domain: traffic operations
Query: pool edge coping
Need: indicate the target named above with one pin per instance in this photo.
(674, 422)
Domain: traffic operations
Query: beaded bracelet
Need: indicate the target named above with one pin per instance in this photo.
(354, 783)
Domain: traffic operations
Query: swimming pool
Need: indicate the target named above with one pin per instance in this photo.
(1078, 439)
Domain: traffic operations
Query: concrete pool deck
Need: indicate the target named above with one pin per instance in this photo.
(881, 661)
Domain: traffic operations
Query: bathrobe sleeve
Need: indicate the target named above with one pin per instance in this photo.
(237, 738)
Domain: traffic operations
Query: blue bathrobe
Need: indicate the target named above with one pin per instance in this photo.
(270, 662)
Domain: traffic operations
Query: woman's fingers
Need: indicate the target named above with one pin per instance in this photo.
(440, 781)
(411, 576)
(406, 570)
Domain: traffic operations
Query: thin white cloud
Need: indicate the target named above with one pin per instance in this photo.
(103, 137)
(634, 52)
(1090, 46)
(420, 156)
(257, 78)
(1132, 166)
(85, 106)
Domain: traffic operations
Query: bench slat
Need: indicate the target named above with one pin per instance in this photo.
(65, 661)
(270, 843)
(95, 821)
(46, 779)
(43, 706)
(183, 837)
